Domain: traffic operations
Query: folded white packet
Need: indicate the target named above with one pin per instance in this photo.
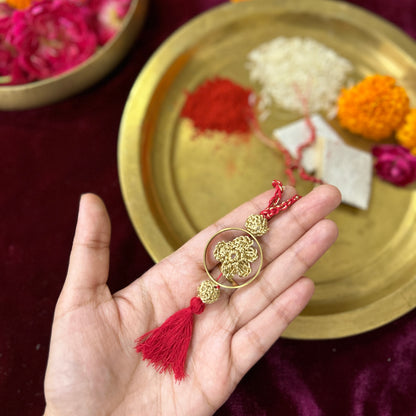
(332, 161)
(347, 168)
(292, 135)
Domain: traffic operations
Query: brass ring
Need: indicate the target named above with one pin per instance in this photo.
(260, 257)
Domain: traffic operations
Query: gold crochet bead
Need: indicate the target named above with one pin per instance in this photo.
(208, 291)
(257, 225)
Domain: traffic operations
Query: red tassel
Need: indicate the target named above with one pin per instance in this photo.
(166, 347)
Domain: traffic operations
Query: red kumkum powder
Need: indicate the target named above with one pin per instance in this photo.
(219, 104)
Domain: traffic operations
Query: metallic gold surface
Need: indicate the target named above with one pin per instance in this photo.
(257, 225)
(175, 185)
(236, 257)
(47, 91)
(246, 252)
(208, 291)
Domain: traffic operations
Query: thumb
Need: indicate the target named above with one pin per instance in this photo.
(90, 256)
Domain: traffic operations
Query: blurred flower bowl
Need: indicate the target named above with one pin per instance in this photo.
(56, 52)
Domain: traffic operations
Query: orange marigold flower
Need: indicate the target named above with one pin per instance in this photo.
(374, 108)
(19, 4)
(406, 135)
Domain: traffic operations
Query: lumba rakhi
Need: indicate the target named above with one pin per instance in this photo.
(166, 347)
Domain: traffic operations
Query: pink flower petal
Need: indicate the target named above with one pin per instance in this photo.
(395, 164)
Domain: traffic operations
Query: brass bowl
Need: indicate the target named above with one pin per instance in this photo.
(50, 90)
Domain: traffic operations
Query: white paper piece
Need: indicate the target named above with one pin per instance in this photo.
(295, 134)
(349, 169)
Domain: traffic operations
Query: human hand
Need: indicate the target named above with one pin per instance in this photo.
(93, 368)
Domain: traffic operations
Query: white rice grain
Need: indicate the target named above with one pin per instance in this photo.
(289, 68)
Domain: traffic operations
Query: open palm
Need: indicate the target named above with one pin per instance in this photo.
(93, 368)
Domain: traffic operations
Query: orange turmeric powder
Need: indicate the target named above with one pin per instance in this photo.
(374, 108)
(406, 135)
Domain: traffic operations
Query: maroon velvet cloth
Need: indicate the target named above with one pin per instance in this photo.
(50, 156)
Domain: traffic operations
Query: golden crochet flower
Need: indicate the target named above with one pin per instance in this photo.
(235, 257)
(374, 108)
(406, 135)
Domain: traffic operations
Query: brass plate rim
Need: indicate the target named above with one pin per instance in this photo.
(360, 320)
(135, 191)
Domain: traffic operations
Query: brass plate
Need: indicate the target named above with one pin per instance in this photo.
(174, 186)
(50, 90)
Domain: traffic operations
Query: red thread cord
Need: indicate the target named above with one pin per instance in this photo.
(311, 140)
(275, 206)
(290, 162)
